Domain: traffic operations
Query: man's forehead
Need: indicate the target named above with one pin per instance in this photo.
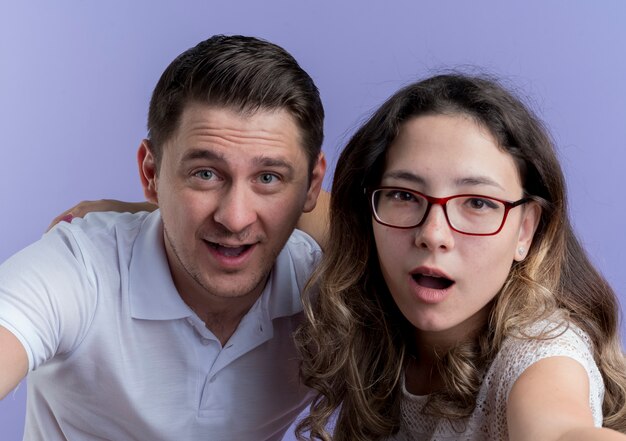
(266, 125)
(213, 155)
(262, 120)
(214, 133)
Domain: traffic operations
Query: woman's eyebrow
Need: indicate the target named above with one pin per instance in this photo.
(413, 178)
(477, 181)
(404, 175)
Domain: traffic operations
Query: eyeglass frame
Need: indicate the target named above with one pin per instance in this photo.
(508, 205)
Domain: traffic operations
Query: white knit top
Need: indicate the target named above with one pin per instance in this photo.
(488, 421)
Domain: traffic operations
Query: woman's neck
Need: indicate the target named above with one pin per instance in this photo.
(422, 371)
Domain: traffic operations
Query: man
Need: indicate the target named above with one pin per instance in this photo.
(177, 324)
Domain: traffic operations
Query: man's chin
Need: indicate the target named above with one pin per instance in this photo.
(231, 286)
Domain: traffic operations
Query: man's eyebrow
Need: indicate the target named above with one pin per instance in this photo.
(202, 154)
(266, 161)
(259, 161)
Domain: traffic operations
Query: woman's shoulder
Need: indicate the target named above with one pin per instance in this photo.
(553, 337)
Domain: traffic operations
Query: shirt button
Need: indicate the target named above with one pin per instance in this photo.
(205, 341)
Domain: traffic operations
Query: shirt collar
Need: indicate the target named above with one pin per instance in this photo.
(153, 295)
(281, 296)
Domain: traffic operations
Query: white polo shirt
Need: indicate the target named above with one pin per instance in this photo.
(116, 354)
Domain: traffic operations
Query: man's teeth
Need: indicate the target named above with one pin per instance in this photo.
(229, 251)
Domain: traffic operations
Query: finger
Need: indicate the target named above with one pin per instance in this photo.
(85, 207)
(63, 217)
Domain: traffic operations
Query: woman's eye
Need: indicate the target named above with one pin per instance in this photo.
(479, 204)
(267, 178)
(204, 174)
(401, 196)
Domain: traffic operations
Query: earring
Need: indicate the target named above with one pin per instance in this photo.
(521, 251)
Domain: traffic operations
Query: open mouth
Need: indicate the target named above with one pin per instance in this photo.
(432, 282)
(229, 251)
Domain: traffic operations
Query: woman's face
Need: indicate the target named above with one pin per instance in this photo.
(442, 280)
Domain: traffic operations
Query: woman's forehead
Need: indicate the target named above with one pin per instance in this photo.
(449, 148)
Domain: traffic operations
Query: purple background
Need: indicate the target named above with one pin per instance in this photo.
(76, 77)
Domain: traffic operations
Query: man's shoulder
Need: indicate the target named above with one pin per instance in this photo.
(102, 228)
(300, 257)
(299, 240)
(107, 222)
(59, 279)
(304, 253)
(98, 237)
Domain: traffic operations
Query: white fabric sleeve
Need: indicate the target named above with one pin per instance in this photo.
(47, 298)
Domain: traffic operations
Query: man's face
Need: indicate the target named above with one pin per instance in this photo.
(231, 188)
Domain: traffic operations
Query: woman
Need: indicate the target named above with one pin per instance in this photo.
(454, 300)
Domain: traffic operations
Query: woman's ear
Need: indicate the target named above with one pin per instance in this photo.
(530, 221)
(148, 171)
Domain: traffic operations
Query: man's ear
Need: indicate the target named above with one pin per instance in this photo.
(530, 221)
(148, 171)
(317, 177)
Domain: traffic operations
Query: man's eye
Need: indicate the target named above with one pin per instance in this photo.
(267, 178)
(204, 174)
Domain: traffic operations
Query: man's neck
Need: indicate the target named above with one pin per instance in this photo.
(222, 315)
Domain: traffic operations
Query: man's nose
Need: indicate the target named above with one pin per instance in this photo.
(235, 209)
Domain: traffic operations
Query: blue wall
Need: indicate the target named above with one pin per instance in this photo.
(76, 77)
